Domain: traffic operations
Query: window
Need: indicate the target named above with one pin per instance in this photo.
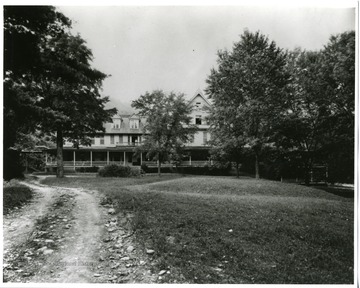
(197, 104)
(120, 139)
(102, 140)
(112, 139)
(117, 123)
(134, 124)
(198, 119)
(204, 137)
(92, 141)
(134, 140)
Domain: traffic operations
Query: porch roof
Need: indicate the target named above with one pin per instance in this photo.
(98, 149)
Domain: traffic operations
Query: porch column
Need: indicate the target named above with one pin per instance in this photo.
(107, 157)
(91, 158)
(124, 157)
(140, 159)
(74, 159)
(190, 160)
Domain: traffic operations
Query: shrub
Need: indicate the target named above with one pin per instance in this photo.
(114, 170)
(15, 196)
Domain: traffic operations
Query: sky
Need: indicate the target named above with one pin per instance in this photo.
(173, 48)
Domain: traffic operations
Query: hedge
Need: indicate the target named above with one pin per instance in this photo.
(114, 170)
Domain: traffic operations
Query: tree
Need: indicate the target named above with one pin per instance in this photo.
(338, 83)
(60, 90)
(25, 28)
(248, 91)
(319, 126)
(227, 139)
(167, 126)
(71, 89)
(302, 126)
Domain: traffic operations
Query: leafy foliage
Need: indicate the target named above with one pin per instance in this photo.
(319, 126)
(15, 196)
(248, 91)
(168, 125)
(57, 90)
(25, 28)
(114, 170)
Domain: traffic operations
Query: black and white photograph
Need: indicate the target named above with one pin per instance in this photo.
(204, 143)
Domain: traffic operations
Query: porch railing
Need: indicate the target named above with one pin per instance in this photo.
(103, 163)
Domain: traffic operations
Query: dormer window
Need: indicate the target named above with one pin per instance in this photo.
(198, 119)
(117, 123)
(134, 123)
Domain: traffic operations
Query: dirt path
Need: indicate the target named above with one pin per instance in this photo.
(18, 224)
(65, 236)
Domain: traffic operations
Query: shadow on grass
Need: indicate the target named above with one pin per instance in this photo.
(339, 191)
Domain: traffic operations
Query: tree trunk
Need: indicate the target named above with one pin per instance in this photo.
(237, 170)
(257, 174)
(59, 154)
(307, 169)
(159, 166)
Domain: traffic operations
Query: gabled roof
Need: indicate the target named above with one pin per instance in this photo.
(199, 93)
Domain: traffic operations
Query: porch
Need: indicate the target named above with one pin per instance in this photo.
(77, 158)
(81, 158)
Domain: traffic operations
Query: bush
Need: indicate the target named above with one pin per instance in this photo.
(114, 170)
(87, 169)
(15, 196)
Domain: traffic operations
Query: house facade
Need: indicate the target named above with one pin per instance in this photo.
(118, 143)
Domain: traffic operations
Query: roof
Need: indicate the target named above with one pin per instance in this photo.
(199, 93)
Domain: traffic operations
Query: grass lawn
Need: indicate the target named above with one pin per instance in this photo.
(228, 230)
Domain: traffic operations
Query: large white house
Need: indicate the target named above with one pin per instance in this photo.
(118, 143)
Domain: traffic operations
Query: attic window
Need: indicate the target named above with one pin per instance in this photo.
(197, 104)
(198, 119)
(117, 123)
(134, 124)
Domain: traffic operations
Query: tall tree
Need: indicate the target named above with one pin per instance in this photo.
(60, 90)
(25, 28)
(167, 127)
(248, 89)
(319, 126)
(338, 84)
(71, 89)
(302, 125)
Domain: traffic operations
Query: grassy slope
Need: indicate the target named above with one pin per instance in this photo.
(15, 195)
(280, 233)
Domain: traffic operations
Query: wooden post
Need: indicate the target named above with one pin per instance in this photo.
(91, 158)
(140, 159)
(190, 160)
